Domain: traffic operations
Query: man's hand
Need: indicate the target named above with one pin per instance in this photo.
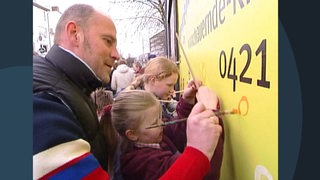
(203, 130)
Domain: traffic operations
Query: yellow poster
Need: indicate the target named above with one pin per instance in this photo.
(232, 46)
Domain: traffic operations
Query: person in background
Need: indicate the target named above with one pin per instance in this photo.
(121, 77)
(103, 100)
(108, 85)
(137, 67)
(146, 153)
(67, 143)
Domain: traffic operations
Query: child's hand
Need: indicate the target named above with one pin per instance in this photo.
(189, 93)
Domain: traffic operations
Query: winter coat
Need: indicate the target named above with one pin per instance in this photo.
(122, 77)
(64, 115)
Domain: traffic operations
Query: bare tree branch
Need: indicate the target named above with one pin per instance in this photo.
(144, 17)
(146, 12)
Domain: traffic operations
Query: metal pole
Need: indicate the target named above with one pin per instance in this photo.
(49, 30)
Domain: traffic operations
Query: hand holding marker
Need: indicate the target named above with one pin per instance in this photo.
(218, 113)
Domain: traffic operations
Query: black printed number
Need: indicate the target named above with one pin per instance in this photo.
(244, 50)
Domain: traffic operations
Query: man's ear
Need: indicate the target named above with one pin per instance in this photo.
(73, 32)
(131, 135)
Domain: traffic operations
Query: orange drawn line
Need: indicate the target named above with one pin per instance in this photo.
(243, 100)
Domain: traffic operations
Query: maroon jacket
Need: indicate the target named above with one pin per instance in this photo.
(151, 163)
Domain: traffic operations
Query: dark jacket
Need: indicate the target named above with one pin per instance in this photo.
(61, 80)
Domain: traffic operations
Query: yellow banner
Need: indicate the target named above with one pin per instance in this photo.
(232, 46)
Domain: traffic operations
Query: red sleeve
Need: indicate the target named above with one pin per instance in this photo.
(191, 165)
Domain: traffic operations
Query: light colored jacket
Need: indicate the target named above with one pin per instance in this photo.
(122, 77)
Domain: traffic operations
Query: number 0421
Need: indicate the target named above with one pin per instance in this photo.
(231, 73)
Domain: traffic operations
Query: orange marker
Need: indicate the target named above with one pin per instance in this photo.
(233, 111)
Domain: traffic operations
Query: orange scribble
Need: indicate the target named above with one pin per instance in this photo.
(244, 100)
